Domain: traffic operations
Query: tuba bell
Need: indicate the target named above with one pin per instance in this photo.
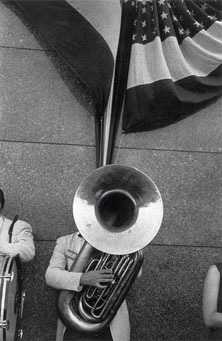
(118, 210)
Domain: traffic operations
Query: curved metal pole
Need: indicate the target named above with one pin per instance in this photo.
(118, 86)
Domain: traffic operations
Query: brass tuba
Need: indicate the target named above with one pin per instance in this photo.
(118, 211)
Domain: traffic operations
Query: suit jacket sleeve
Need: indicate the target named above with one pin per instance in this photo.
(22, 242)
(56, 274)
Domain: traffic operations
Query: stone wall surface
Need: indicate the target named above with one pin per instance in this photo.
(47, 146)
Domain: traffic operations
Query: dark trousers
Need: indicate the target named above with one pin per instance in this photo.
(72, 335)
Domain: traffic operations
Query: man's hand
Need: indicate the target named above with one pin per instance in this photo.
(96, 278)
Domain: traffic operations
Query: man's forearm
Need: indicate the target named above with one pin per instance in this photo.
(26, 251)
(62, 279)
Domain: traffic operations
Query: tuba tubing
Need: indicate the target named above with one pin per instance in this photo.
(67, 312)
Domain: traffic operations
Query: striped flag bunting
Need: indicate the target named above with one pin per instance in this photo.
(173, 60)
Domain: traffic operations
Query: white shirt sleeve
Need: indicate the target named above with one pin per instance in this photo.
(22, 242)
(56, 274)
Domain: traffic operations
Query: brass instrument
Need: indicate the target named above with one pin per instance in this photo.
(118, 211)
(98, 305)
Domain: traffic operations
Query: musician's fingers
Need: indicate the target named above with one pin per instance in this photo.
(106, 276)
(106, 271)
(98, 285)
(110, 274)
(103, 280)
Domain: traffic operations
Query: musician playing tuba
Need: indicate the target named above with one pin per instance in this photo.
(22, 243)
(59, 277)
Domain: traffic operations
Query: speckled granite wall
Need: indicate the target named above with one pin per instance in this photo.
(47, 147)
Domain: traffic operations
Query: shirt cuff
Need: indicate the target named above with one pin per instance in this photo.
(77, 280)
(71, 281)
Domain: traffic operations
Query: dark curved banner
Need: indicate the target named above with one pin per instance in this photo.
(77, 43)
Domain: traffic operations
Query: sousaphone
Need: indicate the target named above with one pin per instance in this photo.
(118, 210)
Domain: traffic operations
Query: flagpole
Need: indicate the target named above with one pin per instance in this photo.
(106, 148)
(118, 85)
